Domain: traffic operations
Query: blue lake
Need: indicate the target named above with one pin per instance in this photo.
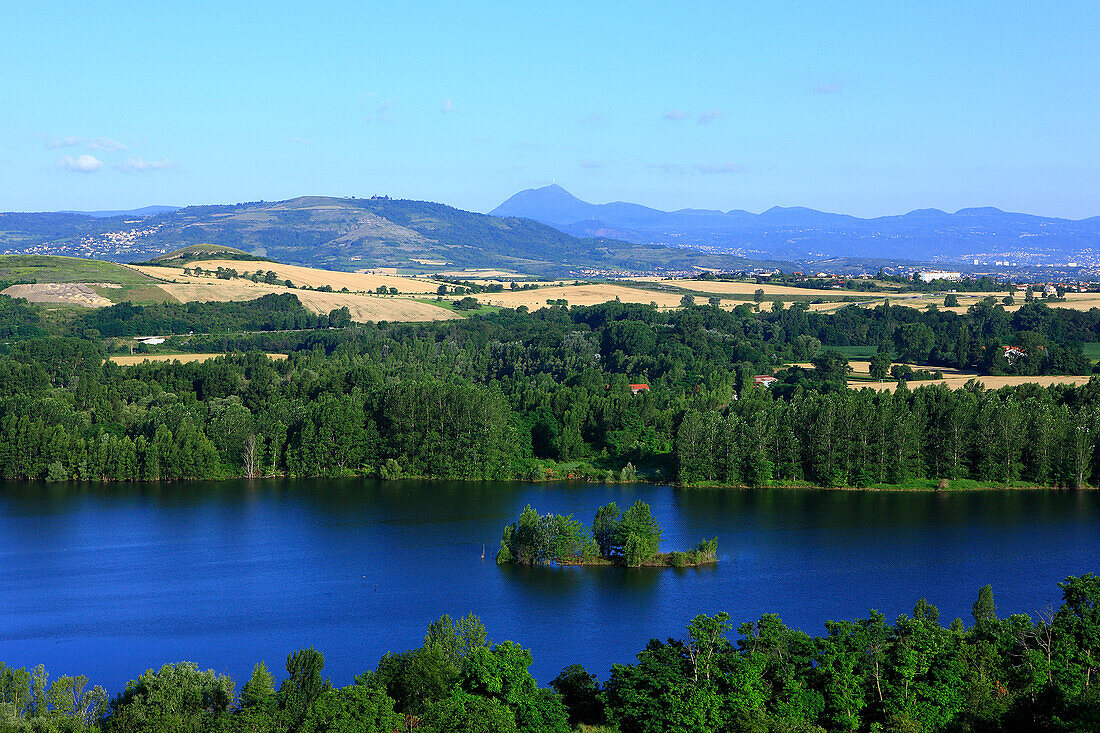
(110, 581)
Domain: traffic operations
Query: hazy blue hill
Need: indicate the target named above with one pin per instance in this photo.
(795, 233)
(554, 205)
(143, 211)
(549, 204)
(801, 216)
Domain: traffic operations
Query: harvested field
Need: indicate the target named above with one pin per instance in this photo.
(363, 307)
(485, 274)
(718, 287)
(65, 293)
(373, 308)
(128, 359)
(588, 294)
(952, 378)
(957, 381)
(355, 281)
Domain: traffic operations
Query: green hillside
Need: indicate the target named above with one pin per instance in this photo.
(53, 269)
(204, 252)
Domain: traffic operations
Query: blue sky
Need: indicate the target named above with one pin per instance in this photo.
(857, 107)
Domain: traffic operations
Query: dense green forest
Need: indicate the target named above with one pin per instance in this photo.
(1011, 674)
(272, 312)
(545, 395)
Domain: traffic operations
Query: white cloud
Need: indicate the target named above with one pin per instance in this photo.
(723, 168)
(95, 143)
(675, 115)
(448, 106)
(105, 143)
(140, 165)
(80, 164)
(65, 142)
(709, 116)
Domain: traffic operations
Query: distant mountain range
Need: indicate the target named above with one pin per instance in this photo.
(800, 234)
(549, 232)
(349, 234)
(143, 211)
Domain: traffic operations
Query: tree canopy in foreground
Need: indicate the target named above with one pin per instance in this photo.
(866, 675)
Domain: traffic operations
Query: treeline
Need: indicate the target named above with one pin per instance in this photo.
(511, 394)
(1049, 338)
(867, 675)
(272, 312)
(1045, 437)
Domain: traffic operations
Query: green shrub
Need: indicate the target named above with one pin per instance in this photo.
(56, 472)
(705, 551)
(391, 470)
(678, 559)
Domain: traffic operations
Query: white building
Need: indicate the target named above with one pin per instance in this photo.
(930, 275)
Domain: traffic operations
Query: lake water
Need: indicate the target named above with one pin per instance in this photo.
(109, 581)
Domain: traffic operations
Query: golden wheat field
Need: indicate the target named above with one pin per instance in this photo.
(952, 378)
(313, 277)
(363, 307)
(718, 287)
(586, 294)
(957, 381)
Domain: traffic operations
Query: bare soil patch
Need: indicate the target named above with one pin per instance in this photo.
(67, 293)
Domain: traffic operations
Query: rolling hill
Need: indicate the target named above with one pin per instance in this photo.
(351, 234)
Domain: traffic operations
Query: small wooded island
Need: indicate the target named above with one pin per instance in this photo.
(631, 538)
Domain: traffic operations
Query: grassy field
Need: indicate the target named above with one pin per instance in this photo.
(111, 282)
(142, 294)
(129, 359)
(853, 352)
(1091, 350)
(51, 269)
(202, 252)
